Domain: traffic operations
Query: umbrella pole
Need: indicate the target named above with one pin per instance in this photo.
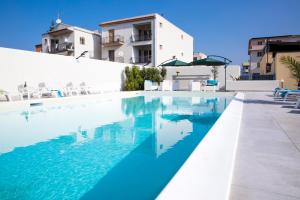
(225, 76)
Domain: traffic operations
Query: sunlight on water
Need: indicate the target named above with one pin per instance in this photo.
(119, 149)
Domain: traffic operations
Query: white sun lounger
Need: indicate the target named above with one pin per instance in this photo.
(5, 94)
(27, 92)
(297, 103)
(291, 92)
(70, 90)
(45, 91)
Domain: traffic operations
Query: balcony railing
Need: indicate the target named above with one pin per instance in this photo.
(113, 40)
(138, 38)
(115, 59)
(141, 59)
(65, 46)
(119, 59)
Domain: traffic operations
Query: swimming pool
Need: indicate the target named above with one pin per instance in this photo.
(116, 148)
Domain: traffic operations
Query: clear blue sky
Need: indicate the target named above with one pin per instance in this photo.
(220, 27)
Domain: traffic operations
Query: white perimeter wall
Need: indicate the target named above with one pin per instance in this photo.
(17, 66)
(263, 85)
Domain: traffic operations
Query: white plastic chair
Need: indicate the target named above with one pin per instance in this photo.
(45, 91)
(70, 90)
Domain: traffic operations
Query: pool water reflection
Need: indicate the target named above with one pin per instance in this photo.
(118, 149)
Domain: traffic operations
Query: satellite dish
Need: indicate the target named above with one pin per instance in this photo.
(58, 21)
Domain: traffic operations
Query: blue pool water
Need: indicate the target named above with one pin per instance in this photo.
(119, 148)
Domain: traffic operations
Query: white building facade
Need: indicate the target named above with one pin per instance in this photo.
(69, 40)
(145, 40)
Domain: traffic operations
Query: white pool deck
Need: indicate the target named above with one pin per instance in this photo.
(267, 163)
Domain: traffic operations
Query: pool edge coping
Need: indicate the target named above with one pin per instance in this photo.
(208, 157)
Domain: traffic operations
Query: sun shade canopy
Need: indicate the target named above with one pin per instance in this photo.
(208, 62)
(176, 63)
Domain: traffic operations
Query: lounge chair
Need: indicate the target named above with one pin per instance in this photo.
(211, 85)
(285, 94)
(70, 90)
(83, 88)
(297, 103)
(5, 94)
(45, 91)
(27, 92)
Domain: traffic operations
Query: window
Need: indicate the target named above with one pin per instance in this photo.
(111, 55)
(259, 54)
(259, 43)
(46, 41)
(174, 57)
(82, 40)
(161, 47)
(160, 25)
(181, 53)
(181, 36)
(268, 67)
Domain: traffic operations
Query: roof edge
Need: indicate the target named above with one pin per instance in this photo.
(128, 20)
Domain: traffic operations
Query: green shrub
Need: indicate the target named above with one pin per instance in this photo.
(134, 80)
(135, 77)
(152, 74)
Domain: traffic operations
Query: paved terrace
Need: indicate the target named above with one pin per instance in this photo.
(268, 156)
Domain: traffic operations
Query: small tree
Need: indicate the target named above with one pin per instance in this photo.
(163, 72)
(152, 74)
(215, 72)
(294, 67)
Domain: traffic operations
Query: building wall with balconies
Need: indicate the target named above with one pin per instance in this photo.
(125, 42)
(72, 41)
(144, 41)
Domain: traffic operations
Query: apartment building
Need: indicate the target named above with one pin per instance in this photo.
(257, 48)
(145, 40)
(63, 39)
(270, 64)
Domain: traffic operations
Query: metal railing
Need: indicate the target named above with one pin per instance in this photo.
(257, 76)
(119, 59)
(141, 59)
(113, 40)
(115, 59)
(138, 38)
(65, 46)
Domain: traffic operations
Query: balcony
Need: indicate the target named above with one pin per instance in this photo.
(58, 48)
(139, 38)
(257, 47)
(119, 59)
(116, 40)
(141, 59)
